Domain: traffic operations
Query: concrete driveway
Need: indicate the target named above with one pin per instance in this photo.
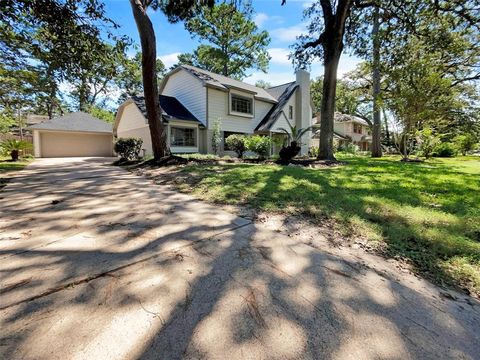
(97, 263)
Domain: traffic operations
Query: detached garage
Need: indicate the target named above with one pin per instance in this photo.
(72, 135)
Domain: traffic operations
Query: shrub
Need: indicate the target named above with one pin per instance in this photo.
(260, 145)
(465, 143)
(13, 147)
(128, 148)
(314, 150)
(444, 150)
(216, 136)
(237, 143)
(349, 148)
(427, 141)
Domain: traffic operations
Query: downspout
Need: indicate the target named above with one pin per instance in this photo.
(206, 122)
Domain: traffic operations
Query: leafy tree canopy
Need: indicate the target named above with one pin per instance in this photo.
(50, 43)
(263, 84)
(232, 42)
(129, 78)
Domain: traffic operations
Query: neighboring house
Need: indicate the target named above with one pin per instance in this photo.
(75, 134)
(347, 129)
(192, 100)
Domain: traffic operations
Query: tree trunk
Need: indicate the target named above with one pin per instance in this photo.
(82, 94)
(377, 125)
(149, 74)
(385, 124)
(327, 109)
(52, 94)
(14, 154)
(332, 43)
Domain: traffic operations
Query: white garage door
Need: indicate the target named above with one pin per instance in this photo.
(65, 144)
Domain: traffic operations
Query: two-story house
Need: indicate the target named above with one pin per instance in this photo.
(192, 100)
(347, 129)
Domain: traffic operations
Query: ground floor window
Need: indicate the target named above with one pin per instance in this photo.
(180, 136)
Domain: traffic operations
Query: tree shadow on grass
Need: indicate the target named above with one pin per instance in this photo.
(425, 213)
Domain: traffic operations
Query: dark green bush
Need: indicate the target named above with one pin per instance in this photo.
(444, 150)
(128, 148)
(237, 143)
(260, 145)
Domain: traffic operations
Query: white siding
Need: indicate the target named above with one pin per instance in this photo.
(282, 119)
(346, 128)
(340, 127)
(189, 91)
(282, 122)
(218, 108)
(133, 124)
(131, 118)
(261, 110)
(142, 133)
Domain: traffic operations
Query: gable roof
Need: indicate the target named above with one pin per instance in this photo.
(171, 108)
(77, 121)
(336, 135)
(339, 117)
(277, 91)
(283, 97)
(224, 83)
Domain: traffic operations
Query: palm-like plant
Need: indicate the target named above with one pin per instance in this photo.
(13, 147)
(294, 137)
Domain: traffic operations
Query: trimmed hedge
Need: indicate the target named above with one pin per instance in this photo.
(128, 148)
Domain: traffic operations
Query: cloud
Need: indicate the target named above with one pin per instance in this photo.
(273, 78)
(260, 19)
(308, 3)
(347, 63)
(288, 34)
(279, 56)
(169, 59)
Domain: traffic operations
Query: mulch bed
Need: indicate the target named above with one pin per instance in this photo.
(315, 163)
(178, 161)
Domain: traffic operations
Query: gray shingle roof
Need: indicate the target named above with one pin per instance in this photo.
(224, 83)
(77, 121)
(171, 108)
(316, 135)
(277, 91)
(339, 117)
(272, 116)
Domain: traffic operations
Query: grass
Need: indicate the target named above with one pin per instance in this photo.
(7, 165)
(428, 213)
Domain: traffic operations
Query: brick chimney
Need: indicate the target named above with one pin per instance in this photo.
(304, 111)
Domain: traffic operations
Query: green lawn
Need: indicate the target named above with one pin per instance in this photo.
(6, 165)
(427, 212)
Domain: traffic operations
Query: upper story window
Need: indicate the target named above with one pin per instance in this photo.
(241, 104)
(357, 128)
(290, 112)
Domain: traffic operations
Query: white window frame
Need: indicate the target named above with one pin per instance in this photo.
(195, 136)
(244, 96)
